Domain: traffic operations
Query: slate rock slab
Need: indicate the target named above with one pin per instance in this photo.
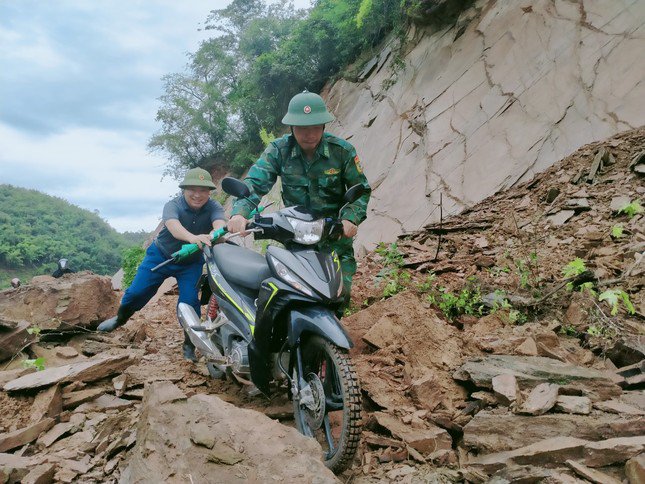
(530, 371)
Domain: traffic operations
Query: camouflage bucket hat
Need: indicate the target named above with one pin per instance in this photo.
(197, 177)
(307, 109)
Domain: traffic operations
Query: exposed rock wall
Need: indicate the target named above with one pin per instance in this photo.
(487, 103)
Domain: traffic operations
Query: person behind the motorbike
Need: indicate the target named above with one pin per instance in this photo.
(316, 169)
(187, 218)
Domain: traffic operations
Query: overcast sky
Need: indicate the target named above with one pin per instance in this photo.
(79, 88)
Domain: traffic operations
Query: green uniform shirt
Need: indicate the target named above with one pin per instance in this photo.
(318, 184)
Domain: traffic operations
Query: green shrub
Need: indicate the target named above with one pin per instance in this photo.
(132, 258)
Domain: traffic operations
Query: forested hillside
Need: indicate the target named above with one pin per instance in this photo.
(36, 230)
(237, 85)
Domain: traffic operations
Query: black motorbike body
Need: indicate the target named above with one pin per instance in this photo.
(267, 312)
(277, 323)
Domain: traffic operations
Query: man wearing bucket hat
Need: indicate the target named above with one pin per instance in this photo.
(187, 218)
(316, 169)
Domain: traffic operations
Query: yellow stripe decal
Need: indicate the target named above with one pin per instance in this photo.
(275, 291)
(245, 313)
(336, 260)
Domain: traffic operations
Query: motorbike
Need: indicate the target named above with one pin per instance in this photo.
(271, 322)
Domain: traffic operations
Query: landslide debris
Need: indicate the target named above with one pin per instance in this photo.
(87, 417)
(477, 362)
(491, 326)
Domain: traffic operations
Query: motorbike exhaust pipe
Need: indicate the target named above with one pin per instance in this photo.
(188, 319)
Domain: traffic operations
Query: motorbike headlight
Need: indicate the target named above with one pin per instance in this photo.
(307, 233)
(289, 277)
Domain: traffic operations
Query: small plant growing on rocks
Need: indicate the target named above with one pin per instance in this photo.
(568, 330)
(617, 231)
(38, 364)
(467, 301)
(502, 306)
(613, 297)
(391, 254)
(396, 279)
(572, 269)
(527, 270)
(631, 209)
(427, 284)
(498, 271)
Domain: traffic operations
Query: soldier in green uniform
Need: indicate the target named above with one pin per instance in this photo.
(316, 169)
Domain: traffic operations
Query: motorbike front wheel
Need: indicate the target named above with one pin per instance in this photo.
(329, 407)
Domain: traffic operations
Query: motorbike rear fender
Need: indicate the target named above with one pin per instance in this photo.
(320, 321)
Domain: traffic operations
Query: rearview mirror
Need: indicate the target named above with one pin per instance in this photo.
(354, 193)
(235, 187)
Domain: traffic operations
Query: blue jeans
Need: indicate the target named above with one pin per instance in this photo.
(146, 283)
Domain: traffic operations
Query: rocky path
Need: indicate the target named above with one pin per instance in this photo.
(477, 363)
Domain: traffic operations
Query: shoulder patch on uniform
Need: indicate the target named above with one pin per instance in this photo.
(332, 171)
(359, 168)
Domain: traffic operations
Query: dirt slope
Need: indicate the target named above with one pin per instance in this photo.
(435, 407)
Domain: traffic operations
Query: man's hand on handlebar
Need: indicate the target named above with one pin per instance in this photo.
(236, 224)
(200, 240)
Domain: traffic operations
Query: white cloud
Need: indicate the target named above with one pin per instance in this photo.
(94, 169)
(89, 72)
(34, 49)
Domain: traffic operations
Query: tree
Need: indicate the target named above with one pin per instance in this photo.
(241, 80)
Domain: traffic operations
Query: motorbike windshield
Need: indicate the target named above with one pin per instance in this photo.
(307, 233)
(307, 227)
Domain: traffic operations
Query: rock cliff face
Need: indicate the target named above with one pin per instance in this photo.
(488, 102)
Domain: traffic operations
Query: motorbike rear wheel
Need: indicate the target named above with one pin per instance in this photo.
(333, 417)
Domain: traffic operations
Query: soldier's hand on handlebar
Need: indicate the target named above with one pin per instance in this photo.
(236, 224)
(349, 229)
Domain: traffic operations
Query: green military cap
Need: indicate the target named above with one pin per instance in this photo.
(307, 109)
(197, 177)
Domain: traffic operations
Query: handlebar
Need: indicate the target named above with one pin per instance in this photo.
(190, 249)
(335, 228)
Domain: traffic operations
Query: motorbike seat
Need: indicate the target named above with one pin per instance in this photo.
(240, 265)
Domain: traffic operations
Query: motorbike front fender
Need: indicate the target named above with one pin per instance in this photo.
(320, 321)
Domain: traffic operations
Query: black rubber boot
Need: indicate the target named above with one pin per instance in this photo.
(189, 349)
(122, 316)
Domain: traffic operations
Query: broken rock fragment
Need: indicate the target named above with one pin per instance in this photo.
(41, 474)
(17, 438)
(541, 399)
(573, 404)
(612, 451)
(616, 406)
(87, 370)
(506, 388)
(550, 451)
(48, 403)
(591, 475)
(425, 441)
